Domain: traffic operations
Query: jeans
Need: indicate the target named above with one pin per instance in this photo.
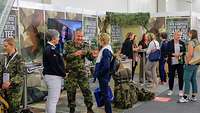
(162, 70)
(54, 87)
(104, 87)
(190, 72)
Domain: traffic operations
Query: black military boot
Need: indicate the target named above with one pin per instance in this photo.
(72, 110)
(89, 110)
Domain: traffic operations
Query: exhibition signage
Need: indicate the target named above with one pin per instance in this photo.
(10, 28)
(90, 28)
(178, 24)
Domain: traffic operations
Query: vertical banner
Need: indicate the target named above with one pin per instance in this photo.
(90, 29)
(178, 24)
(10, 29)
(32, 33)
(116, 37)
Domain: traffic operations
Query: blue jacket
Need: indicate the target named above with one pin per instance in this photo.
(102, 69)
(164, 49)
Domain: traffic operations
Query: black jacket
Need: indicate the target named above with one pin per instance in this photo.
(164, 49)
(171, 50)
(127, 48)
(53, 62)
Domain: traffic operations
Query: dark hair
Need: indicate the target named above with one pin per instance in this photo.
(164, 35)
(194, 34)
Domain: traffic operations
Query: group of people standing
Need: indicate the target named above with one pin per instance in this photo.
(175, 53)
(56, 66)
(73, 63)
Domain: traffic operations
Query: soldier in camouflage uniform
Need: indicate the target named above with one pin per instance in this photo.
(11, 76)
(75, 53)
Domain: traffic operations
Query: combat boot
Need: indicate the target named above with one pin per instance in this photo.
(89, 110)
(72, 110)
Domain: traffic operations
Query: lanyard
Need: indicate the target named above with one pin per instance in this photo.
(7, 64)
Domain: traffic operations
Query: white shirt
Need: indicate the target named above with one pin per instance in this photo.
(101, 52)
(51, 44)
(177, 50)
(154, 44)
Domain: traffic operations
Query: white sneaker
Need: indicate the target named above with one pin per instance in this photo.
(182, 100)
(170, 92)
(180, 93)
(193, 99)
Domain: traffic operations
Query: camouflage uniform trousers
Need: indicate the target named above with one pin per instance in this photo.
(73, 81)
(14, 97)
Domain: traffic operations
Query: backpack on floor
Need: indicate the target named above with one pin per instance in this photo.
(122, 75)
(124, 96)
(34, 94)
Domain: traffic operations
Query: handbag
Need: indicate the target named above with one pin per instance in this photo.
(99, 97)
(155, 56)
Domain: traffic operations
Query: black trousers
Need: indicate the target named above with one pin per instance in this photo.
(134, 65)
(172, 74)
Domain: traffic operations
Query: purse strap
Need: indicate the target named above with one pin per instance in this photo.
(154, 44)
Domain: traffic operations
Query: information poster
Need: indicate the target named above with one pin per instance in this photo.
(10, 28)
(116, 33)
(116, 36)
(90, 28)
(178, 24)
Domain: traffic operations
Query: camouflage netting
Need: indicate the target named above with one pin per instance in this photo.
(127, 93)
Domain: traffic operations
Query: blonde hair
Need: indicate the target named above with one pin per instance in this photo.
(104, 38)
(151, 36)
(11, 41)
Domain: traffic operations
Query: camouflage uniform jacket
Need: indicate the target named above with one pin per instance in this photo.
(15, 69)
(75, 62)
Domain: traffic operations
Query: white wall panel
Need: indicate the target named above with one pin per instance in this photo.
(142, 6)
(95, 5)
(196, 5)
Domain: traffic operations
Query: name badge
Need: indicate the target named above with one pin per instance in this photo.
(6, 77)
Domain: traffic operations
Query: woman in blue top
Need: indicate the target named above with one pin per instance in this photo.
(102, 69)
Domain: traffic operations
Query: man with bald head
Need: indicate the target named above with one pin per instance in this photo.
(75, 53)
(176, 53)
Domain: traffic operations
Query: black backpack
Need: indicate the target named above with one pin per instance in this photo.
(114, 65)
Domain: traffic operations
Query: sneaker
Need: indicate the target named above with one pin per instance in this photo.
(180, 93)
(170, 92)
(183, 100)
(193, 99)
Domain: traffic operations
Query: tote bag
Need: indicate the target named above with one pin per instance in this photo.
(155, 56)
